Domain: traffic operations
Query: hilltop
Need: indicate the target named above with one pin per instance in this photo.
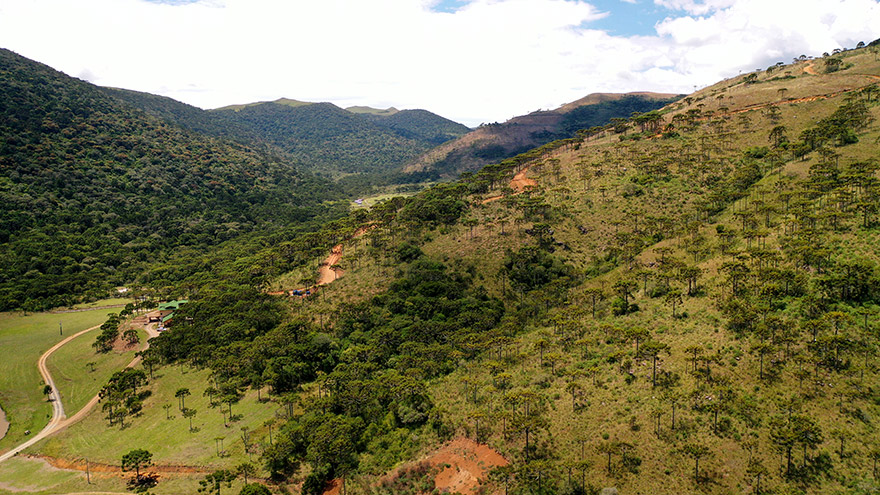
(495, 142)
(373, 111)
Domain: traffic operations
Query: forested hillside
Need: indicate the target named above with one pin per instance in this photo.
(682, 302)
(186, 116)
(421, 125)
(94, 190)
(320, 137)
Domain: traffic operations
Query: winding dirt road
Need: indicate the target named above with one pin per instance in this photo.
(59, 420)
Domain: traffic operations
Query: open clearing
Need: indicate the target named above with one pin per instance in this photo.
(23, 338)
(79, 372)
(36, 476)
(170, 440)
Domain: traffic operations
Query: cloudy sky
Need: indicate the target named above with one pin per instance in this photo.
(472, 61)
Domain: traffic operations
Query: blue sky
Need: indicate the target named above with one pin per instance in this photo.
(470, 60)
(623, 18)
(629, 18)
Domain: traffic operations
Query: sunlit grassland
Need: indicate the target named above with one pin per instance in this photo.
(23, 338)
(170, 440)
(370, 201)
(80, 372)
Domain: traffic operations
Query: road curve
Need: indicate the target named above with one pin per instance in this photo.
(57, 406)
(151, 332)
(59, 420)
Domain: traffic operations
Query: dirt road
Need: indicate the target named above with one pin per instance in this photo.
(59, 420)
(326, 273)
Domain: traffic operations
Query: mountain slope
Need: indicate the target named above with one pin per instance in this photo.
(94, 189)
(494, 142)
(685, 302)
(421, 125)
(327, 138)
(319, 136)
(183, 115)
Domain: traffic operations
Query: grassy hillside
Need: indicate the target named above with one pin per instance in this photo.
(685, 301)
(23, 339)
(714, 262)
(494, 142)
(730, 271)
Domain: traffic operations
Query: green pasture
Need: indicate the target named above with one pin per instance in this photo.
(170, 440)
(79, 372)
(370, 201)
(23, 338)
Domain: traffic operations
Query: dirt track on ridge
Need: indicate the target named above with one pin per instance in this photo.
(326, 273)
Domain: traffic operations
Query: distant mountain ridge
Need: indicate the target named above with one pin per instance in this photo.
(336, 141)
(495, 142)
(420, 125)
(372, 111)
(321, 137)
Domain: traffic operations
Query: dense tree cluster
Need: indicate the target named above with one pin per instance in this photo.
(328, 138)
(121, 397)
(94, 190)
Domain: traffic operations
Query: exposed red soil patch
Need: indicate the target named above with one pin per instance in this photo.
(519, 183)
(97, 467)
(462, 464)
(468, 463)
(334, 488)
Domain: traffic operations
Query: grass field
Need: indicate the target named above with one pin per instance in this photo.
(23, 338)
(79, 372)
(370, 201)
(170, 440)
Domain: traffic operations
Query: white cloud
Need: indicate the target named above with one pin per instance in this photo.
(487, 61)
(695, 7)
